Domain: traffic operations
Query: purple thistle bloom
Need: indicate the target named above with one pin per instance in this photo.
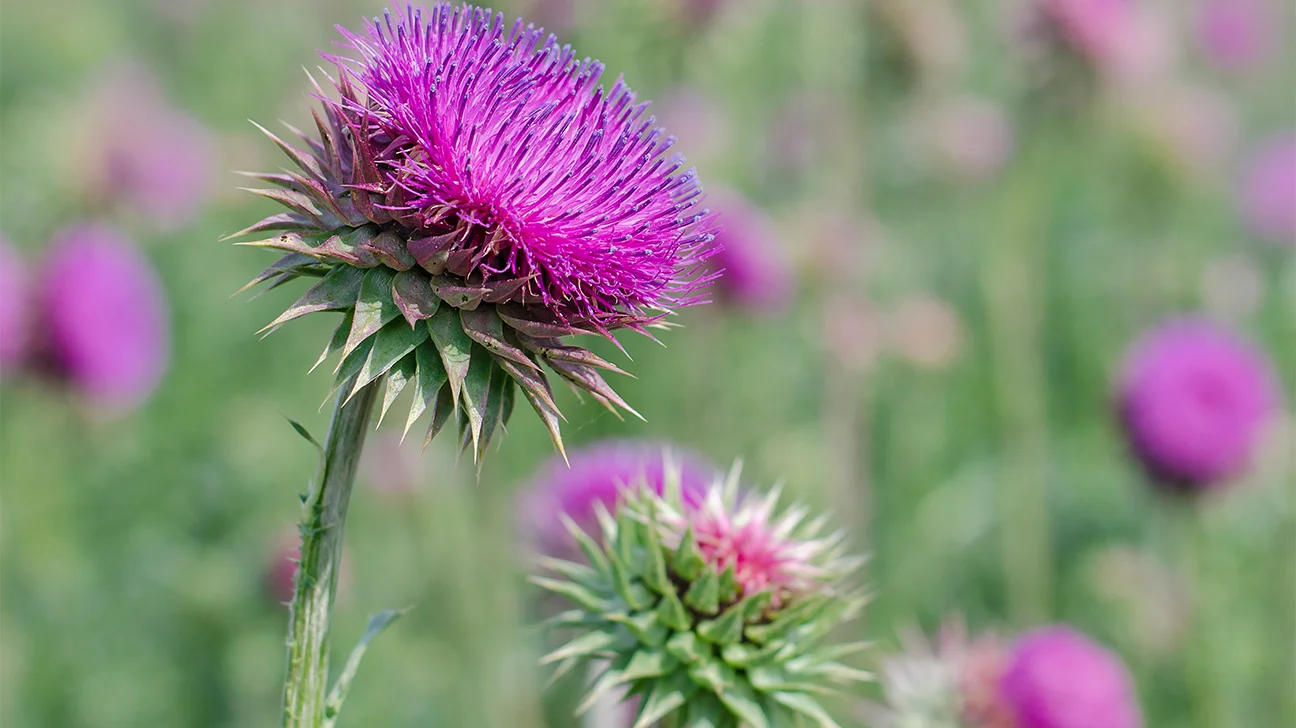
(755, 273)
(14, 309)
(105, 316)
(505, 130)
(1193, 400)
(1236, 34)
(1057, 677)
(597, 474)
(1268, 194)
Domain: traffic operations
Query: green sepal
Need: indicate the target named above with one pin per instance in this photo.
(484, 326)
(704, 595)
(807, 706)
(665, 698)
(772, 678)
(589, 644)
(713, 675)
(672, 612)
(413, 297)
(351, 365)
(441, 410)
(430, 377)
(454, 346)
(393, 343)
(741, 701)
(475, 395)
(644, 626)
(582, 595)
(654, 572)
(336, 291)
(729, 590)
(374, 309)
(337, 341)
(742, 655)
(688, 560)
(727, 629)
(687, 648)
(397, 377)
(587, 545)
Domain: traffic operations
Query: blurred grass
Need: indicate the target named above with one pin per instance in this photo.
(131, 552)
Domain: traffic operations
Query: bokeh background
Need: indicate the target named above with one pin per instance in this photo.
(964, 221)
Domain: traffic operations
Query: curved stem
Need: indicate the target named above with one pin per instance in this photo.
(306, 683)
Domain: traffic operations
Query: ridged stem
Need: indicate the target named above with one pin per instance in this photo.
(307, 682)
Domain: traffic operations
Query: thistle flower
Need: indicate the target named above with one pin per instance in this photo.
(1123, 41)
(145, 152)
(711, 615)
(472, 197)
(1057, 677)
(1194, 399)
(14, 309)
(104, 316)
(755, 273)
(598, 475)
(952, 682)
(1236, 35)
(1269, 189)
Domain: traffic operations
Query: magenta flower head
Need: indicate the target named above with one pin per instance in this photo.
(1236, 35)
(152, 156)
(1056, 677)
(15, 309)
(1095, 29)
(597, 476)
(104, 316)
(1268, 194)
(715, 614)
(473, 196)
(755, 273)
(1194, 399)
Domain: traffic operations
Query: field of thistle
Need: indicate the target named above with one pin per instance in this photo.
(1007, 291)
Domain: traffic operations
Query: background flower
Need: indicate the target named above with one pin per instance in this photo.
(1057, 677)
(14, 309)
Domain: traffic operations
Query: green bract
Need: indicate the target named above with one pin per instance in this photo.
(655, 606)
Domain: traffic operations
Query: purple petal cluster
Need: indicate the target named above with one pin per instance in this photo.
(14, 309)
(755, 273)
(1268, 194)
(105, 316)
(502, 129)
(1193, 400)
(1237, 34)
(597, 474)
(1057, 677)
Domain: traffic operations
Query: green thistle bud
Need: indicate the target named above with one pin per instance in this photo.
(713, 616)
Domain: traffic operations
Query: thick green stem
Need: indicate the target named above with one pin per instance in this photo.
(306, 684)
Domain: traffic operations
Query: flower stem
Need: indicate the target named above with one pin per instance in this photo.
(306, 684)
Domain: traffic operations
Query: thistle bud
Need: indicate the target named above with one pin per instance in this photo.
(716, 614)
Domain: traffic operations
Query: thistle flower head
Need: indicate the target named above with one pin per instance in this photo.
(14, 308)
(474, 195)
(597, 475)
(1057, 677)
(755, 273)
(104, 316)
(715, 614)
(1193, 400)
(952, 682)
(1237, 34)
(1268, 188)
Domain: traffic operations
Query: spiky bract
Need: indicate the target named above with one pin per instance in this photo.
(471, 198)
(717, 615)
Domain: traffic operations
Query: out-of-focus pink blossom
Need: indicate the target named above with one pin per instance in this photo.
(1056, 677)
(389, 465)
(1128, 43)
(701, 127)
(925, 331)
(104, 316)
(144, 152)
(15, 309)
(1237, 35)
(1195, 125)
(1268, 194)
(756, 272)
(967, 138)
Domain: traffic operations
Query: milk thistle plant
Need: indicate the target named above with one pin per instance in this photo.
(711, 616)
(471, 196)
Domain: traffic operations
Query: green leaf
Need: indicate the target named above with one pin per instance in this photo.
(336, 291)
(375, 308)
(337, 695)
(430, 377)
(393, 343)
(397, 377)
(453, 345)
(413, 296)
(301, 430)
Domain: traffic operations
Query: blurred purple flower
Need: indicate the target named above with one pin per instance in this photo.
(1127, 43)
(756, 272)
(152, 156)
(596, 474)
(1268, 194)
(15, 309)
(1056, 677)
(1236, 34)
(105, 316)
(1193, 400)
